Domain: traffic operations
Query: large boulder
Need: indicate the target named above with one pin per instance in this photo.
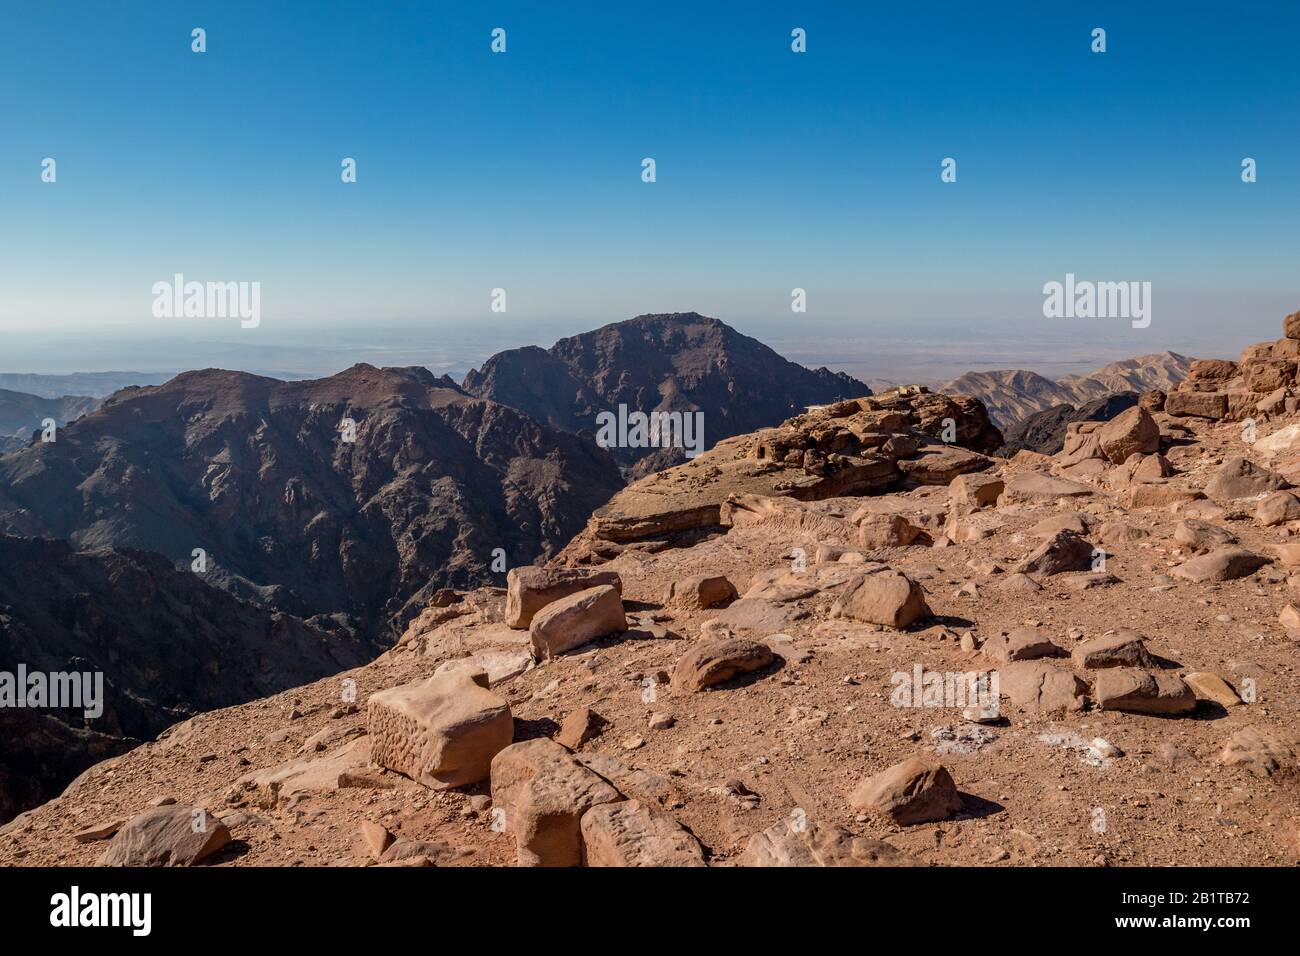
(888, 598)
(173, 835)
(1186, 403)
(1064, 551)
(530, 589)
(716, 660)
(543, 791)
(1239, 477)
(574, 620)
(1130, 433)
(1143, 692)
(918, 790)
(441, 732)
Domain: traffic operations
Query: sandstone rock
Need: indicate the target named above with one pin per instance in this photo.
(1221, 564)
(1072, 521)
(1291, 326)
(102, 831)
(1212, 687)
(888, 598)
(1022, 644)
(375, 838)
(1185, 403)
(939, 464)
(976, 490)
(715, 660)
(629, 833)
(1122, 648)
(173, 835)
(1153, 400)
(580, 726)
(530, 589)
(1130, 433)
(1277, 508)
(1284, 441)
(1143, 692)
(1239, 477)
(417, 853)
(809, 843)
(1213, 371)
(574, 620)
(1018, 582)
(1040, 686)
(1032, 486)
(1266, 375)
(1262, 750)
(886, 531)
(543, 793)
(1064, 551)
(701, 591)
(1201, 536)
(914, 791)
(441, 732)
(1153, 494)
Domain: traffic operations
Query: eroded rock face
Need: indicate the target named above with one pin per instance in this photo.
(442, 732)
(854, 447)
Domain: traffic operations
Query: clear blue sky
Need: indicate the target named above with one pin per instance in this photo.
(775, 170)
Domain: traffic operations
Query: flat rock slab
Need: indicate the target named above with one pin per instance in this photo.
(173, 835)
(629, 833)
(1122, 648)
(1022, 644)
(1040, 686)
(808, 843)
(1221, 564)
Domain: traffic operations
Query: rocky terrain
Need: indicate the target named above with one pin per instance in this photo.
(1013, 395)
(783, 685)
(677, 362)
(21, 414)
(169, 646)
(1044, 432)
(353, 497)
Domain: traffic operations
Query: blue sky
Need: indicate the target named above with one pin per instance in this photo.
(775, 169)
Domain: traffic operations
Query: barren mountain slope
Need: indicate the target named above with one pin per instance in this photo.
(260, 475)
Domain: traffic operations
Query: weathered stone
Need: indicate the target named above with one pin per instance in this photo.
(441, 732)
(1130, 433)
(1277, 508)
(888, 598)
(1262, 750)
(1239, 477)
(1201, 536)
(1212, 687)
(1035, 487)
(1185, 403)
(715, 660)
(580, 726)
(173, 835)
(914, 791)
(886, 531)
(808, 843)
(1064, 551)
(1221, 564)
(530, 589)
(574, 620)
(1143, 692)
(700, 591)
(629, 833)
(543, 792)
(976, 490)
(375, 838)
(102, 831)
(1040, 686)
(1122, 648)
(1022, 644)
